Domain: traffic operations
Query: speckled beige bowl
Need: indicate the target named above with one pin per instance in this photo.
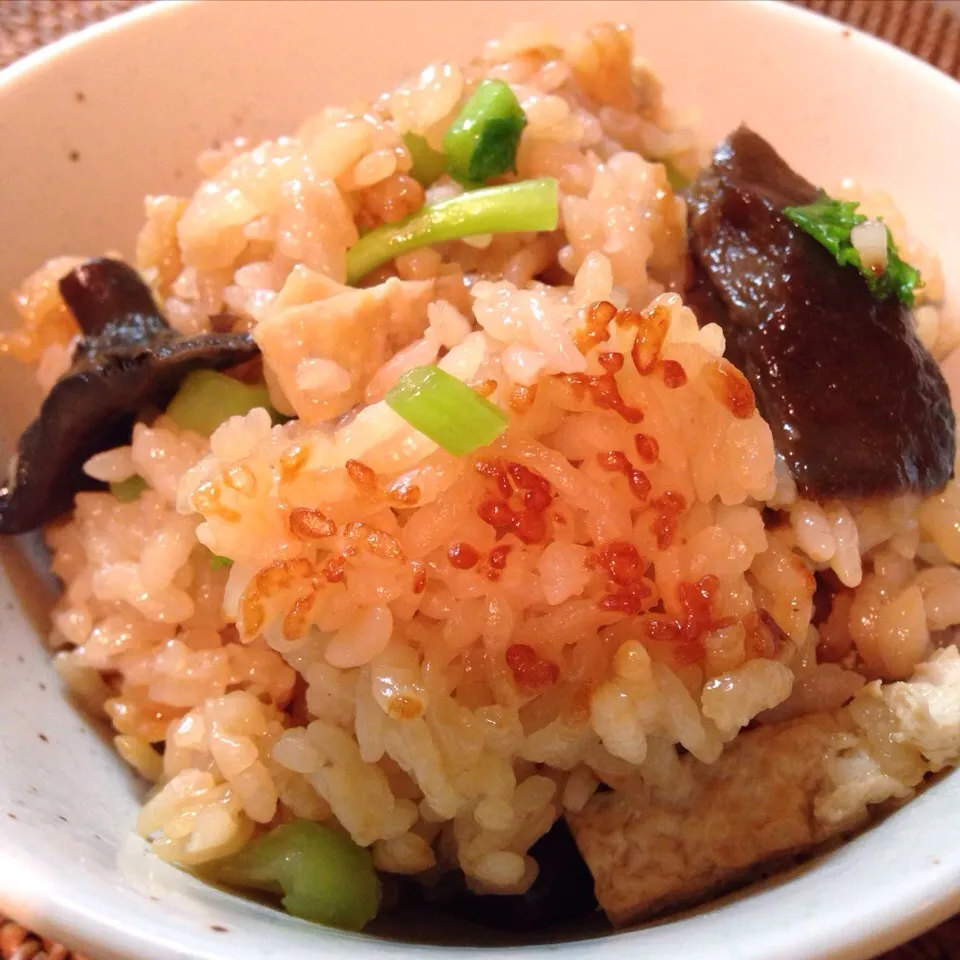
(91, 124)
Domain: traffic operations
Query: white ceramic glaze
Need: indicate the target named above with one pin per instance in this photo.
(166, 81)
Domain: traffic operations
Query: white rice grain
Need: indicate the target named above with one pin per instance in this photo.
(111, 466)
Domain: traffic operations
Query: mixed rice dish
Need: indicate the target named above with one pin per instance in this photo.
(489, 498)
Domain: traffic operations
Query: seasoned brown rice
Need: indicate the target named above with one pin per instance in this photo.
(442, 655)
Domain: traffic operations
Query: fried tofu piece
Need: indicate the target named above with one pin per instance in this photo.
(775, 791)
(754, 803)
(346, 333)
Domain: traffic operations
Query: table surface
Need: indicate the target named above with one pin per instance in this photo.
(926, 28)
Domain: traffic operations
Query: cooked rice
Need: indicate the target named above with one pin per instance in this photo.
(439, 654)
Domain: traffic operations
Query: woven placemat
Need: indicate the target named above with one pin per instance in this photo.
(926, 28)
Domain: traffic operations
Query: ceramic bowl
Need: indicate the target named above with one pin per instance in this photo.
(93, 123)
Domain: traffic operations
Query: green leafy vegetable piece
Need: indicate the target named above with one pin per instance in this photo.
(446, 410)
(901, 278)
(530, 205)
(830, 223)
(218, 563)
(428, 164)
(126, 491)
(322, 875)
(482, 142)
(207, 398)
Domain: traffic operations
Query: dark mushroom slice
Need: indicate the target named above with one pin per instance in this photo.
(112, 304)
(561, 895)
(132, 361)
(857, 406)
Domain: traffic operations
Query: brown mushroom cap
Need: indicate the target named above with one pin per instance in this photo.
(128, 362)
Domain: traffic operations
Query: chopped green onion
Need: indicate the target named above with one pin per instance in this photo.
(428, 164)
(482, 142)
(218, 563)
(830, 222)
(322, 874)
(126, 491)
(530, 205)
(446, 410)
(207, 398)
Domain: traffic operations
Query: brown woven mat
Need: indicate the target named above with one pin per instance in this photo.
(926, 28)
(28, 24)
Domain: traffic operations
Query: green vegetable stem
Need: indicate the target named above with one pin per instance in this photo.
(207, 398)
(126, 491)
(529, 205)
(482, 142)
(830, 222)
(446, 410)
(428, 164)
(677, 180)
(322, 875)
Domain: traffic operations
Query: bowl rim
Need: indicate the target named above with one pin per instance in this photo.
(63, 908)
